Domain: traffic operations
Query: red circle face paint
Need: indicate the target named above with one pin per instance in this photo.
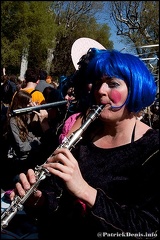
(115, 96)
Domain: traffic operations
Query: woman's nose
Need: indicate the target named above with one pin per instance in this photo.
(103, 89)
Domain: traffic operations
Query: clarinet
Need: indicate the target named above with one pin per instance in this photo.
(41, 173)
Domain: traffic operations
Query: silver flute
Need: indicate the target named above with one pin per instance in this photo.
(37, 108)
(41, 173)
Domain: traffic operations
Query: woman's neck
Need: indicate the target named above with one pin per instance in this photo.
(116, 134)
(30, 85)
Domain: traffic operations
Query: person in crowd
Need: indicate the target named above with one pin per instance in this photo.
(55, 115)
(67, 90)
(32, 79)
(20, 139)
(59, 114)
(64, 84)
(70, 94)
(21, 83)
(42, 84)
(52, 95)
(50, 80)
(24, 146)
(8, 88)
(107, 184)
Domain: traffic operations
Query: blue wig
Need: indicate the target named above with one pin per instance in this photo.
(141, 83)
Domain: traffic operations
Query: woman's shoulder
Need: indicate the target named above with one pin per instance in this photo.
(150, 139)
(153, 134)
(143, 129)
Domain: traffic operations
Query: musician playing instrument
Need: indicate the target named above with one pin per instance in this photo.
(107, 185)
(21, 140)
(29, 134)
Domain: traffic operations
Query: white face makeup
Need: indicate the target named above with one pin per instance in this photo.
(111, 91)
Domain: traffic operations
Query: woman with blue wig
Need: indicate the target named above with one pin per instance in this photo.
(107, 185)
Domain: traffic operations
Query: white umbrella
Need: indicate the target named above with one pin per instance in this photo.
(80, 47)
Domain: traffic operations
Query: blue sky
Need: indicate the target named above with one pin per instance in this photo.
(117, 40)
(104, 18)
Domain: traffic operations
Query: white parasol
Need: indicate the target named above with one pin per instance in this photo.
(80, 47)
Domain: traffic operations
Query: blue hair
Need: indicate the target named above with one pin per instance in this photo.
(141, 83)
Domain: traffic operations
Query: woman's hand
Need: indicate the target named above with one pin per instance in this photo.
(25, 183)
(65, 166)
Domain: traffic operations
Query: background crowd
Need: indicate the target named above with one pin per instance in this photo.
(22, 135)
(29, 139)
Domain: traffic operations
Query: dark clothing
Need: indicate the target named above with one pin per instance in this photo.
(126, 179)
(19, 156)
(7, 91)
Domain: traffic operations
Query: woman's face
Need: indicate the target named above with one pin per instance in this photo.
(113, 93)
